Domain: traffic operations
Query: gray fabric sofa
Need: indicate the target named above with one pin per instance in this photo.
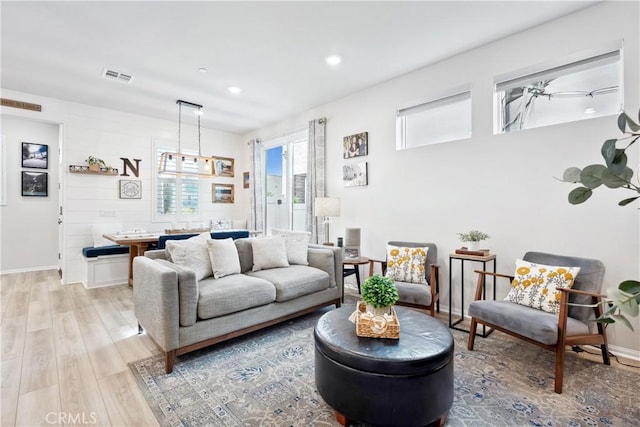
(182, 315)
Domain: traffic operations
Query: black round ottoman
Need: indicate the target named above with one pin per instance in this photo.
(385, 382)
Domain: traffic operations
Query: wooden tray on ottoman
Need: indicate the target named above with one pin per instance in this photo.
(368, 327)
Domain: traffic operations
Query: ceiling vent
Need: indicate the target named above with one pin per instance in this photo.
(116, 75)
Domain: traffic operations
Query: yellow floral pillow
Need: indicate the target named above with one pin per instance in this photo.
(407, 264)
(534, 285)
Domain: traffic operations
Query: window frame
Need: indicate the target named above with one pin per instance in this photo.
(179, 217)
(446, 98)
(559, 67)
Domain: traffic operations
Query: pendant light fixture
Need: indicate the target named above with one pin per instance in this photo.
(179, 163)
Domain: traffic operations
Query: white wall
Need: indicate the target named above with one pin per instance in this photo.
(500, 184)
(29, 238)
(110, 135)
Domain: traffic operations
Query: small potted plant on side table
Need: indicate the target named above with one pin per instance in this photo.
(473, 239)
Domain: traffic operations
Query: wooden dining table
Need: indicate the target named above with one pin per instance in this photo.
(138, 243)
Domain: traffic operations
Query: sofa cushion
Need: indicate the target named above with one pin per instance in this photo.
(192, 253)
(269, 252)
(224, 257)
(294, 281)
(233, 293)
(297, 244)
(414, 294)
(530, 322)
(245, 254)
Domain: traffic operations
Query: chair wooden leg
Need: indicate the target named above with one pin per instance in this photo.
(169, 360)
(559, 369)
(472, 334)
(604, 347)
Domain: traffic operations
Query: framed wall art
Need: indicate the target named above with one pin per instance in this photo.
(35, 155)
(223, 166)
(356, 145)
(35, 184)
(130, 189)
(245, 180)
(355, 174)
(222, 193)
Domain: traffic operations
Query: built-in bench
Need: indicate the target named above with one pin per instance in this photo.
(109, 265)
(105, 266)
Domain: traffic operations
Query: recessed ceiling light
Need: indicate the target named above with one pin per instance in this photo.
(333, 60)
(202, 70)
(589, 110)
(235, 90)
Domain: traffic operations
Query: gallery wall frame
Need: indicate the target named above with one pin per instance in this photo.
(35, 184)
(356, 145)
(222, 193)
(223, 166)
(245, 180)
(130, 189)
(355, 174)
(35, 156)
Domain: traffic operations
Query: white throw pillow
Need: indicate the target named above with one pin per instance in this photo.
(99, 229)
(224, 258)
(406, 264)
(297, 244)
(269, 252)
(192, 253)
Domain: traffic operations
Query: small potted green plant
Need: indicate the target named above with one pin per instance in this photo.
(95, 164)
(380, 294)
(473, 239)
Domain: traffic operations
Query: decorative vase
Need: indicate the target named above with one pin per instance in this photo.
(473, 246)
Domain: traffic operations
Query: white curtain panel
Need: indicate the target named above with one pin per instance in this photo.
(256, 183)
(316, 177)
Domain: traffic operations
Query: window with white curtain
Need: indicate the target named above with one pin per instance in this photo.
(576, 89)
(176, 197)
(447, 118)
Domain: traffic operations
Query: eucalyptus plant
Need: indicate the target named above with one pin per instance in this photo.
(615, 174)
(380, 291)
(473, 236)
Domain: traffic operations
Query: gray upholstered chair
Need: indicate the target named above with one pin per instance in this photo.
(571, 326)
(411, 294)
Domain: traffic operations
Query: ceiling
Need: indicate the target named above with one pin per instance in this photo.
(274, 51)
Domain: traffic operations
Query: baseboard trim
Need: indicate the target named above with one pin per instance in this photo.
(28, 269)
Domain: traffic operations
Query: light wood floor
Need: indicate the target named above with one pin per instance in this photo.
(65, 351)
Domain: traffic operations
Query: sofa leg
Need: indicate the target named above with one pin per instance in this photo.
(169, 360)
(140, 329)
(338, 304)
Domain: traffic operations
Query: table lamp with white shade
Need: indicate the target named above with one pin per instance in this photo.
(327, 207)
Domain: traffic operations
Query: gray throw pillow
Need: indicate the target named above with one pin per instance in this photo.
(192, 253)
(223, 255)
(269, 252)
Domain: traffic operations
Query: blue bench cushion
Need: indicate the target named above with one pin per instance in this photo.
(239, 234)
(92, 252)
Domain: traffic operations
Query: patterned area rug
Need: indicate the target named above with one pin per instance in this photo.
(267, 379)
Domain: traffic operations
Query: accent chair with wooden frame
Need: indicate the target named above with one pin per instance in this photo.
(573, 324)
(418, 295)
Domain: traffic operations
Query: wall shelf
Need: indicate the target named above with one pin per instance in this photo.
(85, 170)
